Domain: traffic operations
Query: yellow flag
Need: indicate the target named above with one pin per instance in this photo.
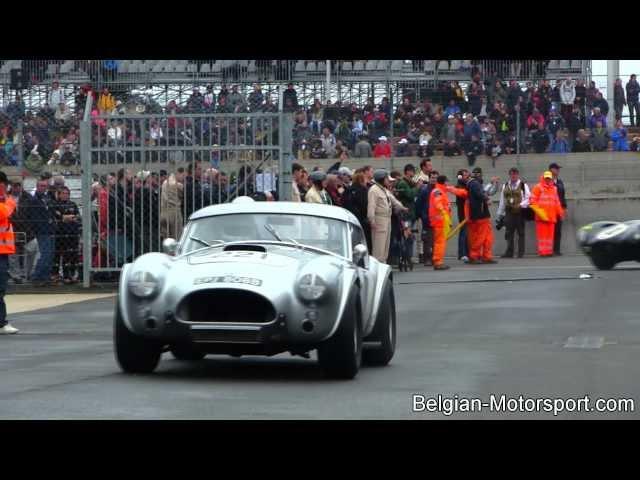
(457, 229)
(447, 223)
(540, 212)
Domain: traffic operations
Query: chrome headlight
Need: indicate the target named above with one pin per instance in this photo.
(143, 284)
(611, 232)
(311, 287)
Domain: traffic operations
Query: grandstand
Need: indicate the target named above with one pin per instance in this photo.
(350, 80)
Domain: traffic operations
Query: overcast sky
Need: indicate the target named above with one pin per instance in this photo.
(599, 71)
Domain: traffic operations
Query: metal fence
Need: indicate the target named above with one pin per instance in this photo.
(144, 175)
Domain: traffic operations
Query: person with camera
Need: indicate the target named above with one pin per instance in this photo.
(514, 199)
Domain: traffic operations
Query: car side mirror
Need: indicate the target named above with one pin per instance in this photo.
(170, 246)
(361, 255)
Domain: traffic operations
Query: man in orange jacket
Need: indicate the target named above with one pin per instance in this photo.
(440, 219)
(544, 201)
(7, 247)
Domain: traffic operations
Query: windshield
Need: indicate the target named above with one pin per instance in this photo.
(325, 233)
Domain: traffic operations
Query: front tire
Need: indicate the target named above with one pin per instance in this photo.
(601, 259)
(341, 355)
(133, 353)
(384, 331)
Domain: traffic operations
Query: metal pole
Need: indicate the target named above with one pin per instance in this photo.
(285, 137)
(328, 87)
(20, 143)
(87, 214)
(518, 134)
(613, 72)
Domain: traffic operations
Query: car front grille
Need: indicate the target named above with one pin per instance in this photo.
(225, 305)
(225, 336)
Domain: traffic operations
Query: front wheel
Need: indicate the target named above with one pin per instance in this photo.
(601, 259)
(384, 331)
(134, 354)
(341, 355)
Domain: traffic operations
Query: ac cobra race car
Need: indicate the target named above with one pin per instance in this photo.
(608, 243)
(259, 278)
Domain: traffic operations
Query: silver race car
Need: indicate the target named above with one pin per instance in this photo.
(608, 243)
(259, 278)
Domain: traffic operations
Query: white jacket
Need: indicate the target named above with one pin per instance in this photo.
(568, 92)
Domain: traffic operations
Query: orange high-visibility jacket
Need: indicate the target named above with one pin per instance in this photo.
(7, 239)
(546, 197)
(439, 205)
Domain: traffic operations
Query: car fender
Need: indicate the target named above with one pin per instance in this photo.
(123, 296)
(384, 275)
(349, 281)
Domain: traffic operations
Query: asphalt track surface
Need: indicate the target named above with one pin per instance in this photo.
(526, 327)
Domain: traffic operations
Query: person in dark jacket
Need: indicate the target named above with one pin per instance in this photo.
(473, 149)
(41, 219)
(463, 241)
(192, 190)
(480, 228)
(146, 211)
(67, 229)
(633, 89)
(581, 143)
(355, 200)
(557, 236)
(601, 103)
(422, 211)
(619, 100)
(290, 94)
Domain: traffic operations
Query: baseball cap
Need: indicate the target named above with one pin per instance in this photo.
(404, 140)
(547, 174)
(477, 170)
(554, 165)
(317, 176)
(380, 174)
(382, 138)
(451, 116)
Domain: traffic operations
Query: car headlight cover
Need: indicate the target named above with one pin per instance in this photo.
(611, 232)
(311, 287)
(143, 284)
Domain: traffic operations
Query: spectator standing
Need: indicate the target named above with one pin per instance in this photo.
(581, 94)
(56, 95)
(67, 230)
(633, 89)
(236, 100)
(328, 141)
(567, 97)
(296, 172)
(545, 197)
(554, 168)
(256, 98)
(407, 191)
(7, 248)
(20, 224)
(591, 94)
(106, 102)
(513, 199)
(380, 205)
(290, 94)
(41, 217)
(317, 193)
(619, 138)
(356, 200)
(171, 194)
(619, 100)
(540, 139)
(473, 149)
(403, 150)
(382, 149)
(554, 123)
